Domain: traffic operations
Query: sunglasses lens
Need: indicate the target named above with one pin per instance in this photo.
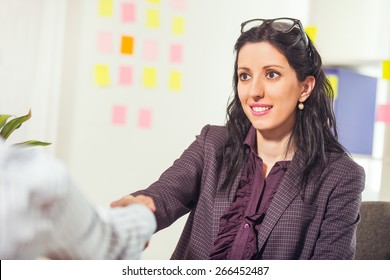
(250, 24)
(283, 25)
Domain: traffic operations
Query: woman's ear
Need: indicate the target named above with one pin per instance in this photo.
(308, 85)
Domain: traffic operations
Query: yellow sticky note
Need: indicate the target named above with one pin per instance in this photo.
(175, 80)
(386, 69)
(150, 77)
(178, 25)
(334, 82)
(311, 31)
(154, 1)
(127, 45)
(105, 8)
(153, 18)
(102, 75)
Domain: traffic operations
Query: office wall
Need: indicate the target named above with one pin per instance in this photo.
(52, 49)
(31, 34)
(355, 35)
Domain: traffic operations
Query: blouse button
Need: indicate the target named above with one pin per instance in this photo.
(246, 226)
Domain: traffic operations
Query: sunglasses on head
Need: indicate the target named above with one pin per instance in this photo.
(284, 25)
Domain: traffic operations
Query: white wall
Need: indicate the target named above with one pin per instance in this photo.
(351, 32)
(46, 63)
(31, 50)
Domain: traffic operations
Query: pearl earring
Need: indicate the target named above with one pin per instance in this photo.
(301, 106)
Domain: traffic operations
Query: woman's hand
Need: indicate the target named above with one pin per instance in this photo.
(130, 199)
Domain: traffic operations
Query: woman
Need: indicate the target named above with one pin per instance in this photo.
(274, 183)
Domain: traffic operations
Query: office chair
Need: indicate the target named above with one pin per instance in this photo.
(373, 231)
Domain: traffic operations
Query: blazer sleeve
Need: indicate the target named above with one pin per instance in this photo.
(337, 239)
(177, 190)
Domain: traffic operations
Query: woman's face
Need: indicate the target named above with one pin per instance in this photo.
(268, 89)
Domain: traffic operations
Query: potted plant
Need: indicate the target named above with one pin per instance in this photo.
(9, 124)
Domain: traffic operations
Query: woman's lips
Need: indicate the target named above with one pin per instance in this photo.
(260, 109)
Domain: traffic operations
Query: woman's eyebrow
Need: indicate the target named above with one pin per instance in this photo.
(243, 68)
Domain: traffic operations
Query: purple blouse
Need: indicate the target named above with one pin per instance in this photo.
(238, 227)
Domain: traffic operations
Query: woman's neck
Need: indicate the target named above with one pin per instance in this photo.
(271, 150)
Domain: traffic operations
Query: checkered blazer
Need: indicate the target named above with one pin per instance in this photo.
(319, 224)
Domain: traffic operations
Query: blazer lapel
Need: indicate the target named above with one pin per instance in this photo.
(223, 199)
(287, 191)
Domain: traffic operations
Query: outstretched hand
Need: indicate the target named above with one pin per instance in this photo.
(130, 199)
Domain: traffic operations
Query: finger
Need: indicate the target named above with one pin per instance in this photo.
(124, 201)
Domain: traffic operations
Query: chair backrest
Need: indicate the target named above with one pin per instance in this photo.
(373, 231)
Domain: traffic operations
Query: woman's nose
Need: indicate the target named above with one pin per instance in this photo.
(257, 89)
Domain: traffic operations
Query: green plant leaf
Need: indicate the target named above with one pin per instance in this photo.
(3, 119)
(33, 143)
(14, 124)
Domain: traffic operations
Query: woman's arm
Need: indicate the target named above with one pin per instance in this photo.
(177, 190)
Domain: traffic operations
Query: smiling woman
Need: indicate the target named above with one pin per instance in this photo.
(274, 182)
(269, 91)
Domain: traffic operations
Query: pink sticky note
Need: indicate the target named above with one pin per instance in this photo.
(128, 12)
(383, 113)
(176, 55)
(178, 5)
(105, 42)
(145, 118)
(125, 75)
(150, 50)
(119, 114)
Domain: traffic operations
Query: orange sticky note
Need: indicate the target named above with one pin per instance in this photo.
(178, 25)
(105, 8)
(153, 18)
(145, 118)
(127, 45)
(119, 113)
(311, 31)
(175, 80)
(386, 69)
(150, 77)
(102, 75)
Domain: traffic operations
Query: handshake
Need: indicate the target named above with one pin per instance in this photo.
(44, 214)
(129, 199)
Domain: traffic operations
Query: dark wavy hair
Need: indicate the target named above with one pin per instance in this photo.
(314, 133)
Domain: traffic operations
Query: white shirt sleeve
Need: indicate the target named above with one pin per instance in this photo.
(42, 213)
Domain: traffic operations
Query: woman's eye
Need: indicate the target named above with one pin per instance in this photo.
(244, 77)
(272, 75)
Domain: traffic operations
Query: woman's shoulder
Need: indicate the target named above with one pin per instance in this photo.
(213, 134)
(344, 163)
